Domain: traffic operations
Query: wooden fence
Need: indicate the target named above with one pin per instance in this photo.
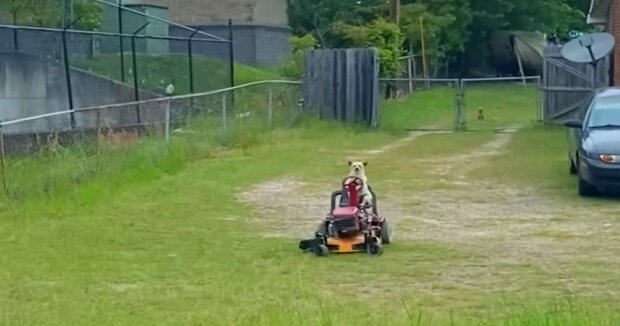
(567, 85)
(343, 84)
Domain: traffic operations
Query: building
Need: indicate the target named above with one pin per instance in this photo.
(607, 14)
(260, 27)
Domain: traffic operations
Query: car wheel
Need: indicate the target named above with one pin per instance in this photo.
(586, 189)
(572, 169)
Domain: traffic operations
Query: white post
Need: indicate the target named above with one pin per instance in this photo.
(167, 131)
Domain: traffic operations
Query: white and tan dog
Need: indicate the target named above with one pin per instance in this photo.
(358, 169)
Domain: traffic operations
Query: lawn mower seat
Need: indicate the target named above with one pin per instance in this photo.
(345, 211)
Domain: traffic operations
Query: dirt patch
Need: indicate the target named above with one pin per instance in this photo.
(288, 206)
(294, 207)
(412, 136)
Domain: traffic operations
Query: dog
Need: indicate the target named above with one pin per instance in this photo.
(358, 169)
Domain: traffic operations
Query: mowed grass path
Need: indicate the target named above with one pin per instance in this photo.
(182, 251)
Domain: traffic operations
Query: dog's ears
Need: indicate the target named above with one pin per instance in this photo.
(350, 163)
(365, 163)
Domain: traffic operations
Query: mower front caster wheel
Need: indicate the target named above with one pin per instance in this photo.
(375, 249)
(321, 250)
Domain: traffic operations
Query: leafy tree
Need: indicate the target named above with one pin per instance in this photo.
(383, 35)
(317, 17)
(294, 66)
(49, 13)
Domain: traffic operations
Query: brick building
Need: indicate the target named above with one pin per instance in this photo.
(260, 31)
(607, 14)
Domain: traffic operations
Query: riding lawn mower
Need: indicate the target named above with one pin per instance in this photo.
(350, 226)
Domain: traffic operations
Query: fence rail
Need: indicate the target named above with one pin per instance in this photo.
(64, 68)
(231, 116)
(51, 160)
(470, 102)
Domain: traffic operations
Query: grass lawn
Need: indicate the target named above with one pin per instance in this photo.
(504, 105)
(518, 105)
(488, 231)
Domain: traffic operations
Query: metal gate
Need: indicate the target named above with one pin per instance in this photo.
(567, 85)
(499, 103)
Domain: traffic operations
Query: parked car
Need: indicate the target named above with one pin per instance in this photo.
(594, 143)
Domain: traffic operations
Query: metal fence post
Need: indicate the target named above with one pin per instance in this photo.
(99, 140)
(136, 90)
(167, 131)
(270, 107)
(120, 38)
(231, 58)
(460, 106)
(540, 99)
(65, 54)
(15, 40)
(190, 60)
(224, 118)
(5, 182)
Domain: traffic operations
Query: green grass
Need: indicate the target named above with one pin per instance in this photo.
(504, 106)
(156, 71)
(159, 237)
(426, 108)
(536, 155)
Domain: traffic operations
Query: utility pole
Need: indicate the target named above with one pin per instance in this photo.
(395, 11)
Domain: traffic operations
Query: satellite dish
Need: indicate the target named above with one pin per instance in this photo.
(588, 48)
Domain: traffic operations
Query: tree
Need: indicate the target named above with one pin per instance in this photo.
(294, 66)
(317, 17)
(380, 34)
(48, 13)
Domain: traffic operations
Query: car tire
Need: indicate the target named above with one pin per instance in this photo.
(572, 169)
(586, 189)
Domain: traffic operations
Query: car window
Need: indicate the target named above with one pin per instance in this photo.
(605, 112)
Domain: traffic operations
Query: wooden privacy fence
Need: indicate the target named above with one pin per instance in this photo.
(567, 85)
(343, 84)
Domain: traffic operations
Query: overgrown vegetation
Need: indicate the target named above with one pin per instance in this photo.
(155, 72)
(380, 34)
(294, 67)
(451, 29)
(87, 14)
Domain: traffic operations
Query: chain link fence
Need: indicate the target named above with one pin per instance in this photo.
(500, 103)
(42, 156)
(461, 104)
(419, 103)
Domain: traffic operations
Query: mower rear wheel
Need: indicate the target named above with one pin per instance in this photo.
(375, 249)
(321, 250)
(386, 232)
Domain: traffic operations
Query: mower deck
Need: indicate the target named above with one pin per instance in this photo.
(347, 245)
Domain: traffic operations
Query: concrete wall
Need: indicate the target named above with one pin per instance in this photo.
(131, 23)
(29, 86)
(253, 44)
(46, 45)
(271, 12)
(200, 12)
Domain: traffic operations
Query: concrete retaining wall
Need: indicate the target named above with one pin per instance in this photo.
(30, 86)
